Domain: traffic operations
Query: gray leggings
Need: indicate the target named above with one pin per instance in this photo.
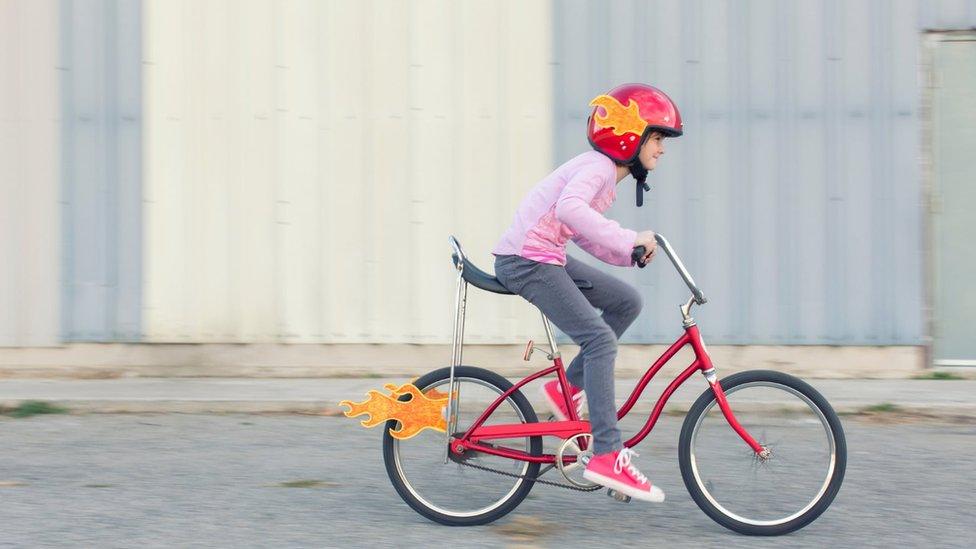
(552, 290)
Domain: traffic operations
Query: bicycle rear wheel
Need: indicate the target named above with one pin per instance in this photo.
(749, 494)
(453, 493)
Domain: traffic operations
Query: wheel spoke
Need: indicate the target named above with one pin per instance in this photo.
(750, 492)
(459, 493)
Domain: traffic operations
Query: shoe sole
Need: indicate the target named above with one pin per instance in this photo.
(656, 495)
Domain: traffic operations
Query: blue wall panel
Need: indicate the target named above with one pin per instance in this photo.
(101, 45)
(795, 196)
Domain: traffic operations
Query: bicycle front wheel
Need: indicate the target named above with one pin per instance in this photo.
(459, 493)
(763, 496)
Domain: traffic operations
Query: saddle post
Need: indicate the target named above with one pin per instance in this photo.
(554, 351)
(460, 300)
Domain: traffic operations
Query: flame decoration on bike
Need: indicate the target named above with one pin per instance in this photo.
(421, 411)
(621, 119)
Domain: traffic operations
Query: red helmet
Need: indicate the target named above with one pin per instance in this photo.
(623, 118)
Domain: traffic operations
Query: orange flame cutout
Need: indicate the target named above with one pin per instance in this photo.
(422, 411)
(435, 394)
(621, 119)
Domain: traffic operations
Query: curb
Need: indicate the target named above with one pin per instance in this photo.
(332, 409)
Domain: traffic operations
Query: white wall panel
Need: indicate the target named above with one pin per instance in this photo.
(29, 174)
(306, 161)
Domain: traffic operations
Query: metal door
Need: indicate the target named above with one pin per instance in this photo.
(953, 200)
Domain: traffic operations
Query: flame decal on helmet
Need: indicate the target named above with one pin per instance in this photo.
(422, 411)
(619, 118)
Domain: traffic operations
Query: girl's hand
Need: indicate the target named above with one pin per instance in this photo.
(646, 239)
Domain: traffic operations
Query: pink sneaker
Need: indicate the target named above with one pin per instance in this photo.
(614, 470)
(553, 393)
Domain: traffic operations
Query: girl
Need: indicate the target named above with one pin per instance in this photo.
(626, 129)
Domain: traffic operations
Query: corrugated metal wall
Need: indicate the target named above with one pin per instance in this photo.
(794, 195)
(101, 169)
(306, 162)
(939, 15)
(303, 163)
(29, 134)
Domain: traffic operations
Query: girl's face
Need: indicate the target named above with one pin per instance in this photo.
(652, 149)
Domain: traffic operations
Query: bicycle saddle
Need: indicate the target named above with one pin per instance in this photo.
(480, 279)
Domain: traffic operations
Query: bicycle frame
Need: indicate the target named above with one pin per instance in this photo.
(478, 433)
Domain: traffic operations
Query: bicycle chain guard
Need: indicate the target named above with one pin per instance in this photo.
(421, 411)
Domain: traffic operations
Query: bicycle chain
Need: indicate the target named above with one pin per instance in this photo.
(536, 479)
(533, 479)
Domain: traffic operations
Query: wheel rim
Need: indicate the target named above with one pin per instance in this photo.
(782, 483)
(427, 491)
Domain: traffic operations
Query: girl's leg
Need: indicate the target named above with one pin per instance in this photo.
(552, 290)
(619, 301)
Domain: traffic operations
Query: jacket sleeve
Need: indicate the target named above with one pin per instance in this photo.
(603, 254)
(599, 236)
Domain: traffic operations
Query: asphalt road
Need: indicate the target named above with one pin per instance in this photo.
(305, 481)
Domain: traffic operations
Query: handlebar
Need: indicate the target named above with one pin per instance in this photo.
(639, 252)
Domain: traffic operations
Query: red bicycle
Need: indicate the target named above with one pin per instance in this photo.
(769, 467)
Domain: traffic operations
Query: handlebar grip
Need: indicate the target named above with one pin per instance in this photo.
(637, 254)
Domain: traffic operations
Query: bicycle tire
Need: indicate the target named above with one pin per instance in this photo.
(697, 489)
(511, 500)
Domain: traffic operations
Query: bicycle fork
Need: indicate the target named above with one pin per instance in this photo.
(701, 352)
(723, 404)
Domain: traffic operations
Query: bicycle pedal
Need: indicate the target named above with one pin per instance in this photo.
(622, 498)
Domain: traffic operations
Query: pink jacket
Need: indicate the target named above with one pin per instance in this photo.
(569, 204)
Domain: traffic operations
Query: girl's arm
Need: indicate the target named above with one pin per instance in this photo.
(603, 254)
(601, 237)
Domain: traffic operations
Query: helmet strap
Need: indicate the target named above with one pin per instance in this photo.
(640, 174)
